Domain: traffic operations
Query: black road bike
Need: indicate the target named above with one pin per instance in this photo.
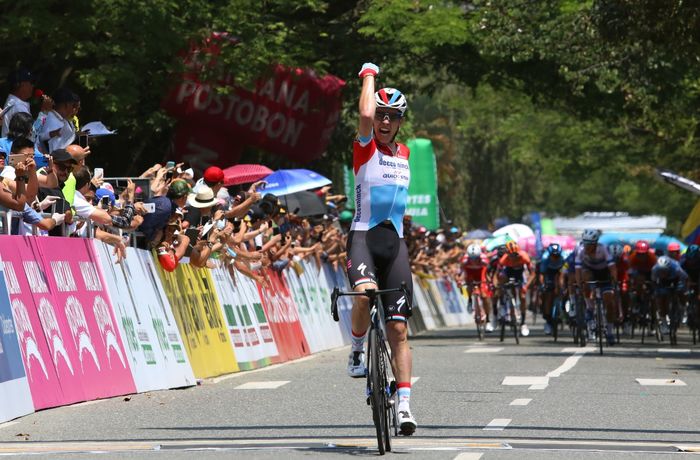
(381, 392)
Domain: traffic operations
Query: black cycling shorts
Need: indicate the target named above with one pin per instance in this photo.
(379, 256)
(603, 277)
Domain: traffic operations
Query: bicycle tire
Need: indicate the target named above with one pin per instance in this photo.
(599, 323)
(675, 321)
(514, 323)
(387, 407)
(581, 323)
(377, 391)
(479, 322)
(555, 320)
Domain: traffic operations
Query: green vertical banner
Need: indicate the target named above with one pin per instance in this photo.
(349, 183)
(422, 193)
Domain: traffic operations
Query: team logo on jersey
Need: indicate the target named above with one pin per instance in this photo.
(361, 268)
(400, 302)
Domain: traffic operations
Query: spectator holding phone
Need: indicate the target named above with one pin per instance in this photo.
(168, 199)
(21, 126)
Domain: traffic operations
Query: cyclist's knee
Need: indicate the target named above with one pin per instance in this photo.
(397, 331)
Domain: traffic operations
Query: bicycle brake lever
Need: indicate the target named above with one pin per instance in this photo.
(334, 304)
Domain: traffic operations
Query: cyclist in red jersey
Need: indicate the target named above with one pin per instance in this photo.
(513, 265)
(641, 261)
(474, 267)
(622, 263)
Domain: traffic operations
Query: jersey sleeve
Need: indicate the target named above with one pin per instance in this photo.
(362, 152)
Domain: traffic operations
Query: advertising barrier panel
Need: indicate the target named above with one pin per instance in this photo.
(311, 293)
(249, 330)
(283, 317)
(338, 279)
(158, 359)
(198, 316)
(15, 396)
(81, 307)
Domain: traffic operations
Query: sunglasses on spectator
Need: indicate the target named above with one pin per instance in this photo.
(381, 115)
(64, 166)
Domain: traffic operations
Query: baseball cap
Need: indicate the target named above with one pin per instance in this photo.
(213, 175)
(179, 188)
(61, 155)
(101, 192)
(345, 216)
(18, 76)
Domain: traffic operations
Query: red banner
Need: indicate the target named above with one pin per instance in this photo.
(283, 317)
(292, 113)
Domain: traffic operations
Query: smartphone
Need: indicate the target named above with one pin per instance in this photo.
(99, 173)
(104, 202)
(170, 174)
(5, 110)
(150, 207)
(170, 165)
(16, 158)
(83, 140)
(192, 234)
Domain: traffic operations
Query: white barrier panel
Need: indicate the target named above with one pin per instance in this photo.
(311, 292)
(420, 301)
(146, 324)
(337, 278)
(453, 298)
(251, 336)
(15, 397)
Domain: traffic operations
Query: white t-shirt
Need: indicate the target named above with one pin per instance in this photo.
(65, 136)
(18, 105)
(82, 207)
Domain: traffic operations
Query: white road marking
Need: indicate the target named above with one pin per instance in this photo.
(484, 350)
(577, 349)
(414, 380)
(520, 402)
(7, 424)
(568, 364)
(497, 424)
(468, 456)
(539, 386)
(525, 380)
(661, 382)
(269, 385)
(673, 350)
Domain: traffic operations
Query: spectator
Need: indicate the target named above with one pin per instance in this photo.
(21, 89)
(21, 126)
(84, 209)
(154, 223)
(61, 165)
(59, 130)
(78, 153)
(200, 206)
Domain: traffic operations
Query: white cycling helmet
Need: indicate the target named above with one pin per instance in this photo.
(664, 262)
(616, 250)
(590, 236)
(473, 251)
(391, 98)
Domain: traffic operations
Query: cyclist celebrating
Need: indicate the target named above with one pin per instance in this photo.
(377, 254)
(667, 276)
(594, 263)
(513, 265)
(474, 267)
(550, 280)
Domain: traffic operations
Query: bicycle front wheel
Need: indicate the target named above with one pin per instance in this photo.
(378, 386)
(600, 330)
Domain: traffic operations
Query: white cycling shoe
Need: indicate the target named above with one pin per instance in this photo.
(407, 424)
(356, 364)
(489, 327)
(524, 330)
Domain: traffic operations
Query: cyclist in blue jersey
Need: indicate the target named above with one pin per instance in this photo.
(667, 276)
(377, 254)
(550, 279)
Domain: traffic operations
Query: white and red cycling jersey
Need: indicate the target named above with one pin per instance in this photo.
(381, 184)
(474, 271)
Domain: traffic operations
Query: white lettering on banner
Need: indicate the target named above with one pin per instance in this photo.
(419, 199)
(246, 113)
(107, 330)
(285, 96)
(47, 316)
(280, 310)
(63, 276)
(79, 329)
(35, 276)
(25, 333)
(11, 278)
(90, 276)
(417, 211)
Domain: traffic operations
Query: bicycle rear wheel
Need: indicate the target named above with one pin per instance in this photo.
(555, 320)
(600, 330)
(377, 389)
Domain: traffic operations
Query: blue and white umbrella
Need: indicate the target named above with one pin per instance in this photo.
(286, 181)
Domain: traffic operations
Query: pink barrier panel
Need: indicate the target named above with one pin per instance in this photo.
(283, 317)
(63, 297)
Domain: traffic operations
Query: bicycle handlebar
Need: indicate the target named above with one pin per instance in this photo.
(369, 293)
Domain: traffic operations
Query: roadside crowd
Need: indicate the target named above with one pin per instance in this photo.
(49, 188)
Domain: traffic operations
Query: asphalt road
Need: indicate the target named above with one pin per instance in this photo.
(536, 400)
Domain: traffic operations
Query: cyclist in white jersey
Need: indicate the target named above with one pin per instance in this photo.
(377, 254)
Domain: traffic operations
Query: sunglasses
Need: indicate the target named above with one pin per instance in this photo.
(63, 166)
(381, 116)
